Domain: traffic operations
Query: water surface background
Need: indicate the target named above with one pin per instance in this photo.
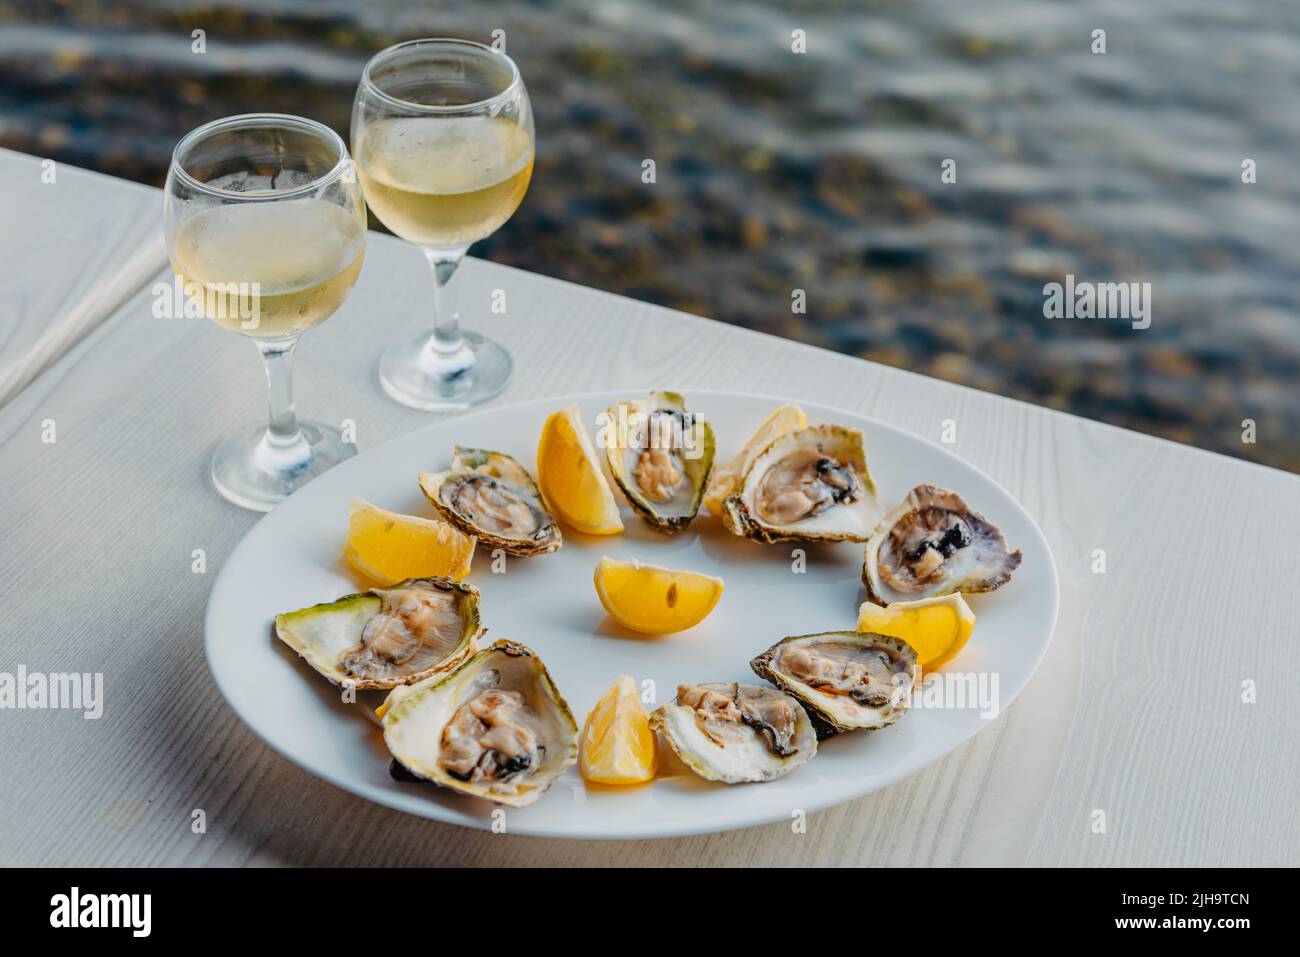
(819, 171)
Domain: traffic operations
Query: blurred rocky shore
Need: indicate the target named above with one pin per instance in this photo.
(777, 170)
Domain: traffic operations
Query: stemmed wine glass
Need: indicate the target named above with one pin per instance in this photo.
(442, 131)
(265, 226)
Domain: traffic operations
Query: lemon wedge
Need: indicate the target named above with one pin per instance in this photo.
(388, 547)
(617, 745)
(655, 600)
(937, 628)
(570, 479)
(727, 478)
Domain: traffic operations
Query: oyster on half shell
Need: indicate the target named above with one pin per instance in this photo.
(495, 728)
(491, 496)
(736, 732)
(660, 456)
(932, 545)
(846, 679)
(387, 637)
(809, 485)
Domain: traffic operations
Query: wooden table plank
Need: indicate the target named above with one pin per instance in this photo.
(1136, 710)
(74, 245)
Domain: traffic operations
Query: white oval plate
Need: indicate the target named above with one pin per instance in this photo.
(292, 558)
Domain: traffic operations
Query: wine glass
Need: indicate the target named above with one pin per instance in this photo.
(266, 229)
(442, 131)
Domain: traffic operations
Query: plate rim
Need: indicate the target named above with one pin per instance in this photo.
(400, 802)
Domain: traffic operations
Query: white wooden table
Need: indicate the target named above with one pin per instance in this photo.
(1137, 710)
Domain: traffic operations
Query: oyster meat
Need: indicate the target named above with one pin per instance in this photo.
(495, 728)
(736, 732)
(660, 456)
(387, 637)
(809, 485)
(491, 496)
(932, 545)
(846, 679)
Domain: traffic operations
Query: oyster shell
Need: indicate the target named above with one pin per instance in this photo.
(495, 728)
(846, 679)
(809, 485)
(387, 637)
(931, 545)
(491, 496)
(660, 456)
(734, 732)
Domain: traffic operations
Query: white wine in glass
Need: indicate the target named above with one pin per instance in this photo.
(265, 226)
(442, 131)
(304, 257)
(445, 182)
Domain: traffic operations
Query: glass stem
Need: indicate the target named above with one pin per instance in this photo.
(446, 320)
(282, 433)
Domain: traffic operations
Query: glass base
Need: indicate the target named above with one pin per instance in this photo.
(414, 374)
(251, 471)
